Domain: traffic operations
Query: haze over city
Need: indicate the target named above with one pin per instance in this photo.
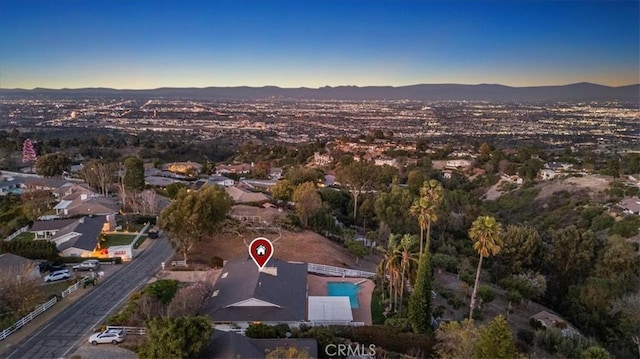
(143, 44)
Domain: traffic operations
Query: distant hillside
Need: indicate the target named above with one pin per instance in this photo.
(431, 92)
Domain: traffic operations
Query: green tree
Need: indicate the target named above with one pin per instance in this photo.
(35, 202)
(133, 174)
(391, 209)
(260, 331)
(415, 179)
(300, 175)
(425, 208)
(519, 248)
(389, 268)
(595, 352)
(283, 190)
(408, 261)
(176, 338)
(174, 188)
(356, 249)
(359, 176)
(194, 214)
(485, 233)
(420, 300)
(495, 341)
(288, 353)
(456, 339)
(52, 164)
(307, 201)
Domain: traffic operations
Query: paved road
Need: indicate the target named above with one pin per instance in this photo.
(62, 333)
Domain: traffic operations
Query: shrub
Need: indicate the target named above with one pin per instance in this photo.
(400, 324)
(281, 330)
(216, 262)
(486, 293)
(526, 336)
(391, 340)
(260, 331)
(445, 261)
(164, 290)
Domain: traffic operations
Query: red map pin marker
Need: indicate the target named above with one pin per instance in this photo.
(261, 251)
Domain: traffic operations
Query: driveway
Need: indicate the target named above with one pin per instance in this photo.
(62, 334)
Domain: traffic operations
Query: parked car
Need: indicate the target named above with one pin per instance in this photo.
(153, 232)
(88, 265)
(113, 336)
(46, 267)
(57, 275)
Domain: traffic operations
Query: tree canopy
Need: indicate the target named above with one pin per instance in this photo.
(171, 338)
(52, 164)
(194, 214)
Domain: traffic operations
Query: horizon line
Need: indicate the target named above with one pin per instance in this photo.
(305, 87)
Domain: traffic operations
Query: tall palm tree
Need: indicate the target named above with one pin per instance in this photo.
(408, 262)
(390, 268)
(424, 209)
(486, 235)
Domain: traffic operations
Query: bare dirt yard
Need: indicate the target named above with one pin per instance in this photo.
(592, 183)
(305, 246)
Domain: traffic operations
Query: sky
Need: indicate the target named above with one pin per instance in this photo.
(142, 44)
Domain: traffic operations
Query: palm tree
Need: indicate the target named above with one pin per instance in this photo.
(408, 262)
(424, 209)
(485, 233)
(390, 268)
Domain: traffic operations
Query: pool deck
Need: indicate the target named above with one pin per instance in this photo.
(318, 287)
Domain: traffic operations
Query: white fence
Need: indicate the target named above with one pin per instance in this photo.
(26, 319)
(130, 330)
(343, 323)
(140, 234)
(179, 264)
(70, 290)
(17, 233)
(337, 271)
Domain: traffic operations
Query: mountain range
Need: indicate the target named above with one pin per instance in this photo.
(583, 91)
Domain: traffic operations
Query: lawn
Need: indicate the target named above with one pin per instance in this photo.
(48, 290)
(117, 239)
(25, 236)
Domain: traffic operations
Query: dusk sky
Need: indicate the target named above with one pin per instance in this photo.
(314, 43)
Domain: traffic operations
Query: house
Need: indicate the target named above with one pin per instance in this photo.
(322, 159)
(385, 161)
(457, 164)
(630, 205)
(275, 173)
(14, 264)
(86, 203)
(221, 181)
(48, 229)
(240, 195)
(74, 237)
(183, 168)
(241, 168)
(230, 345)
(243, 294)
(550, 321)
(80, 238)
(10, 185)
(547, 174)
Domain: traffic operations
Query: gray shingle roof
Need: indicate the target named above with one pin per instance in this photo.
(287, 290)
(232, 345)
(89, 228)
(55, 224)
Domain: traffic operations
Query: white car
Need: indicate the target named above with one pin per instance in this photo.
(113, 336)
(57, 275)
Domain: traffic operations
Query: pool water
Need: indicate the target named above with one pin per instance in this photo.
(340, 289)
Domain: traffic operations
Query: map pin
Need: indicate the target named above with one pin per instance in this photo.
(261, 251)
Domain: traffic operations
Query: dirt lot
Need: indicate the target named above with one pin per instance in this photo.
(592, 183)
(304, 246)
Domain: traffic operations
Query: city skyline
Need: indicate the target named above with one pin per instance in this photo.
(144, 45)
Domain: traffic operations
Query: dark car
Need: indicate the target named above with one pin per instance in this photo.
(46, 267)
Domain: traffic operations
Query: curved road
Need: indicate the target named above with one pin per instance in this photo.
(58, 337)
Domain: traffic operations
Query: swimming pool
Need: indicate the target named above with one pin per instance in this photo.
(344, 289)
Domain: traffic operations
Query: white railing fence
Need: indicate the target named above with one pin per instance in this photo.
(140, 234)
(26, 319)
(17, 233)
(70, 290)
(337, 271)
(343, 323)
(130, 330)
